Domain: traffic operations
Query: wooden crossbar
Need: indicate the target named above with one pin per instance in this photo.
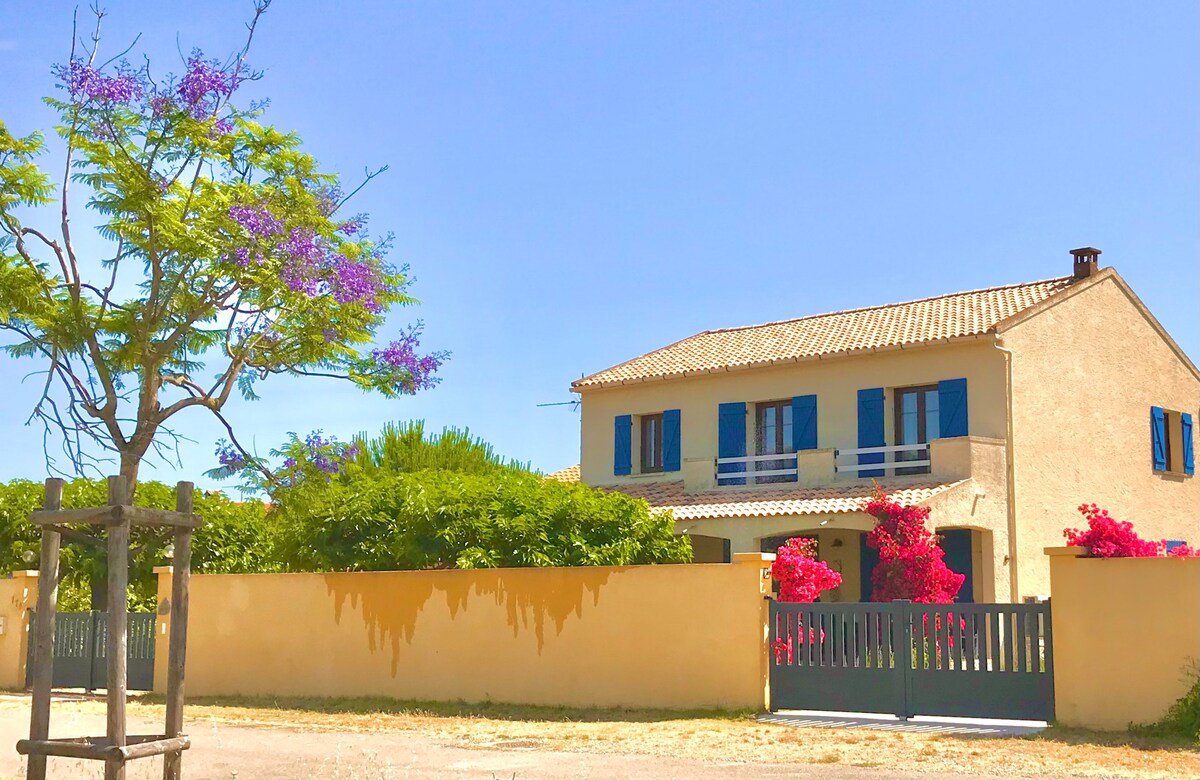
(102, 748)
(117, 515)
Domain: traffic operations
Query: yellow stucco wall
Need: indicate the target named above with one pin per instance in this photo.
(18, 594)
(649, 636)
(1085, 373)
(1126, 636)
(836, 383)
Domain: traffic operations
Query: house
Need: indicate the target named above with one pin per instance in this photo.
(1000, 409)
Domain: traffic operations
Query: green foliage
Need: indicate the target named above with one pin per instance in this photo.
(403, 447)
(1182, 721)
(234, 538)
(442, 519)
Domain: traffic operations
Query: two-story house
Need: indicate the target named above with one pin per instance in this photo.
(1001, 409)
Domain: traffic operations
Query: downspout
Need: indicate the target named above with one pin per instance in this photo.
(1010, 471)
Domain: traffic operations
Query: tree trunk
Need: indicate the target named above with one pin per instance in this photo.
(99, 586)
(130, 461)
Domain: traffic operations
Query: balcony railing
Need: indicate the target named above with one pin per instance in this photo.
(751, 472)
(894, 459)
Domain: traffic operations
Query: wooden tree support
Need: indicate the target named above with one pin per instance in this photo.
(116, 747)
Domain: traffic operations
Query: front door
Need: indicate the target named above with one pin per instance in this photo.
(957, 545)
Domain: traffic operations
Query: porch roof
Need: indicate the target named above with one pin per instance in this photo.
(774, 502)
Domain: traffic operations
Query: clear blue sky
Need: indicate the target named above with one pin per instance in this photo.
(575, 184)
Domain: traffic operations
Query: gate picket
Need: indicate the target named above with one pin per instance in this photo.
(964, 660)
(80, 650)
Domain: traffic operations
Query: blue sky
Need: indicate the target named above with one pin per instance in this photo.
(575, 184)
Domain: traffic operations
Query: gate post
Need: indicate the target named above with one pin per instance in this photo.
(905, 660)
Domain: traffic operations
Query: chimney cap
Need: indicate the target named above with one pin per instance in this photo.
(1086, 251)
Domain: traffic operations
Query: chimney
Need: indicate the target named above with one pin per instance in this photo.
(1087, 261)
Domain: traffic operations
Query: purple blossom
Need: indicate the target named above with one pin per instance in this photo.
(354, 225)
(161, 105)
(328, 198)
(413, 372)
(220, 127)
(84, 81)
(352, 282)
(329, 334)
(204, 84)
(257, 220)
(229, 456)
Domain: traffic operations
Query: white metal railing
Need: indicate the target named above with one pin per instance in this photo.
(846, 461)
(749, 472)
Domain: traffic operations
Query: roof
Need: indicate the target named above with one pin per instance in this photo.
(930, 320)
(569, 474)
(773, 502)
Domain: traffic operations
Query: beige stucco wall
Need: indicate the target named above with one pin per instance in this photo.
(836, 383)
(1122, 656)
(1085, 373)
(646, 636)
(18, 595)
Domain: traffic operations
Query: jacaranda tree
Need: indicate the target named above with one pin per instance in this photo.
(229, 257)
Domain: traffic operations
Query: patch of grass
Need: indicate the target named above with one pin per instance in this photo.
(828, 758)
(1117, 739)
(456, 709)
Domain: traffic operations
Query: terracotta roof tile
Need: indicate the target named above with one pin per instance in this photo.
(569, 474)
(773, 502)
(916, 322)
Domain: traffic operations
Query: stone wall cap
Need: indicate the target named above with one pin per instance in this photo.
(753, 557)
(1066, 552)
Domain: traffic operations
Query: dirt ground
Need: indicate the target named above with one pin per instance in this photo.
(365, 740)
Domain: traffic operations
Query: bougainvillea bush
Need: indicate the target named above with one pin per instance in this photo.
(911, 562)
(1107, 537)
(801, 579)
(800, 575)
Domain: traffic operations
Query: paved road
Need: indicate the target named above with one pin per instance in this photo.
(225, 752)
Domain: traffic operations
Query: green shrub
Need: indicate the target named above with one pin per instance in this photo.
(234, 538)
(442, 519)
(1182, 720)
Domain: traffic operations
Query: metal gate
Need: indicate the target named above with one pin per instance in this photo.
(954, 660)
(80, 652)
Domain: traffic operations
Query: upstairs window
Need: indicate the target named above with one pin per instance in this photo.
(652, 443)
(773, 431)
(1171, 441)
(918, 421)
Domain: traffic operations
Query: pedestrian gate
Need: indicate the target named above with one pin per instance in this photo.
(80, 655)
(954, 660)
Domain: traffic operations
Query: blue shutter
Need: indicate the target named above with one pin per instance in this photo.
(1158, 438)
(870, 428)
(670, 453)
(804, 422)
(1189, 455)
(623, 445)
(952, 408)
(731, 440)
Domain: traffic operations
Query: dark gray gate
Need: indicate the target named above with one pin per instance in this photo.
(80, 656)
(955, 660)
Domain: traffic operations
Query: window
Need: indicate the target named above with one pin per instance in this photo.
(773, 435)
(652, 443)
(1173, 441)
(917, 422)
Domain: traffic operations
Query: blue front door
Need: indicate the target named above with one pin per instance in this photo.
(957, 545)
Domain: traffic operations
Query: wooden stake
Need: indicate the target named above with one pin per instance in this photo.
(118, 619)
(176, 657)
(43, 646)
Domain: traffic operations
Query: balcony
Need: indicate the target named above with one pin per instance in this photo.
(941, 459)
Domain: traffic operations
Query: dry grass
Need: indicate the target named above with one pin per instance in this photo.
(709, 736)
